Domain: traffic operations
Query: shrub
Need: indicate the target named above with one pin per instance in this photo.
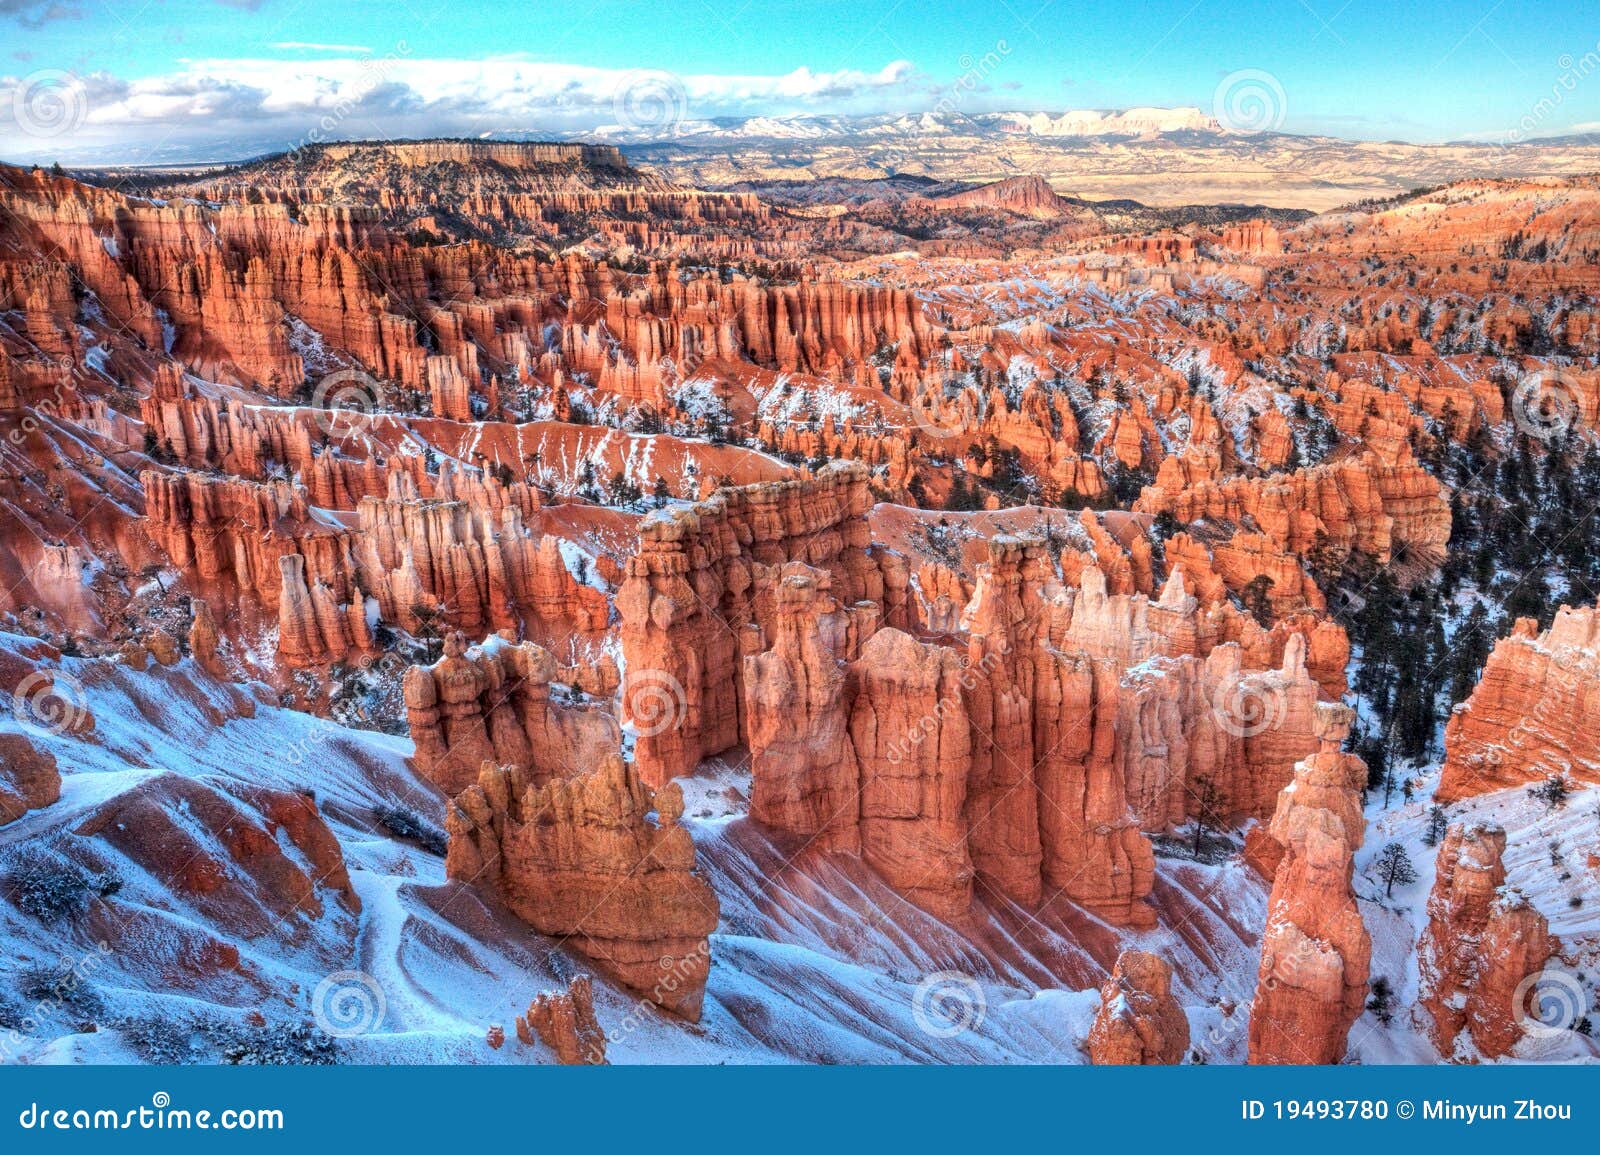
(275, 1045)
(60, 986)
(1553, 791)
(1381, 1004)
(51, 888)
(160, 1041)
(12, 1014)
(404, 823)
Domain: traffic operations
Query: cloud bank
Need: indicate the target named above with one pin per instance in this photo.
(227, 108)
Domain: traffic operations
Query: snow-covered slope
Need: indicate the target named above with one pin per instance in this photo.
(199, 956)
(1567, 894)
(817, 960)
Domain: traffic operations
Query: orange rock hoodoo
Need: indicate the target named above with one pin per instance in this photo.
(328, 575)
(1363, 503)
(1373, 504)
(1139, 1022)
(1480, 945)
(1032, 756)
(584, 860)
(705, 573)
(565, 1022)
(492, 705)
(1315, 952)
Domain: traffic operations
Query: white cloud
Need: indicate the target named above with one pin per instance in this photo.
(218, 108)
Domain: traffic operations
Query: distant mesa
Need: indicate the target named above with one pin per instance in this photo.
(1029, 196)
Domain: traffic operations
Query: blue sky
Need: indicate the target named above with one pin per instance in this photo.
(170, 75)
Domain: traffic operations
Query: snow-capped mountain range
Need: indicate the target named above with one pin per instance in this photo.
(1132, 122)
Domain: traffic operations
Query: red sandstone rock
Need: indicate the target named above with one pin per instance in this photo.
(217, 845)
(28, 777)
(203, 638)
(1532, 714)
(263, 544)
(582, 860)
(1480, 945)
(913, 743)
(565, 1022)
(803, 771)
(1029, 196)
(1031, 760)
(1364, 503)
(1315, 951)
(700, 577)
(1139, 1022)
(491, 705)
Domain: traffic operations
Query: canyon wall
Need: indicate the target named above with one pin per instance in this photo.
(1535, 712)
(1030, 754)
